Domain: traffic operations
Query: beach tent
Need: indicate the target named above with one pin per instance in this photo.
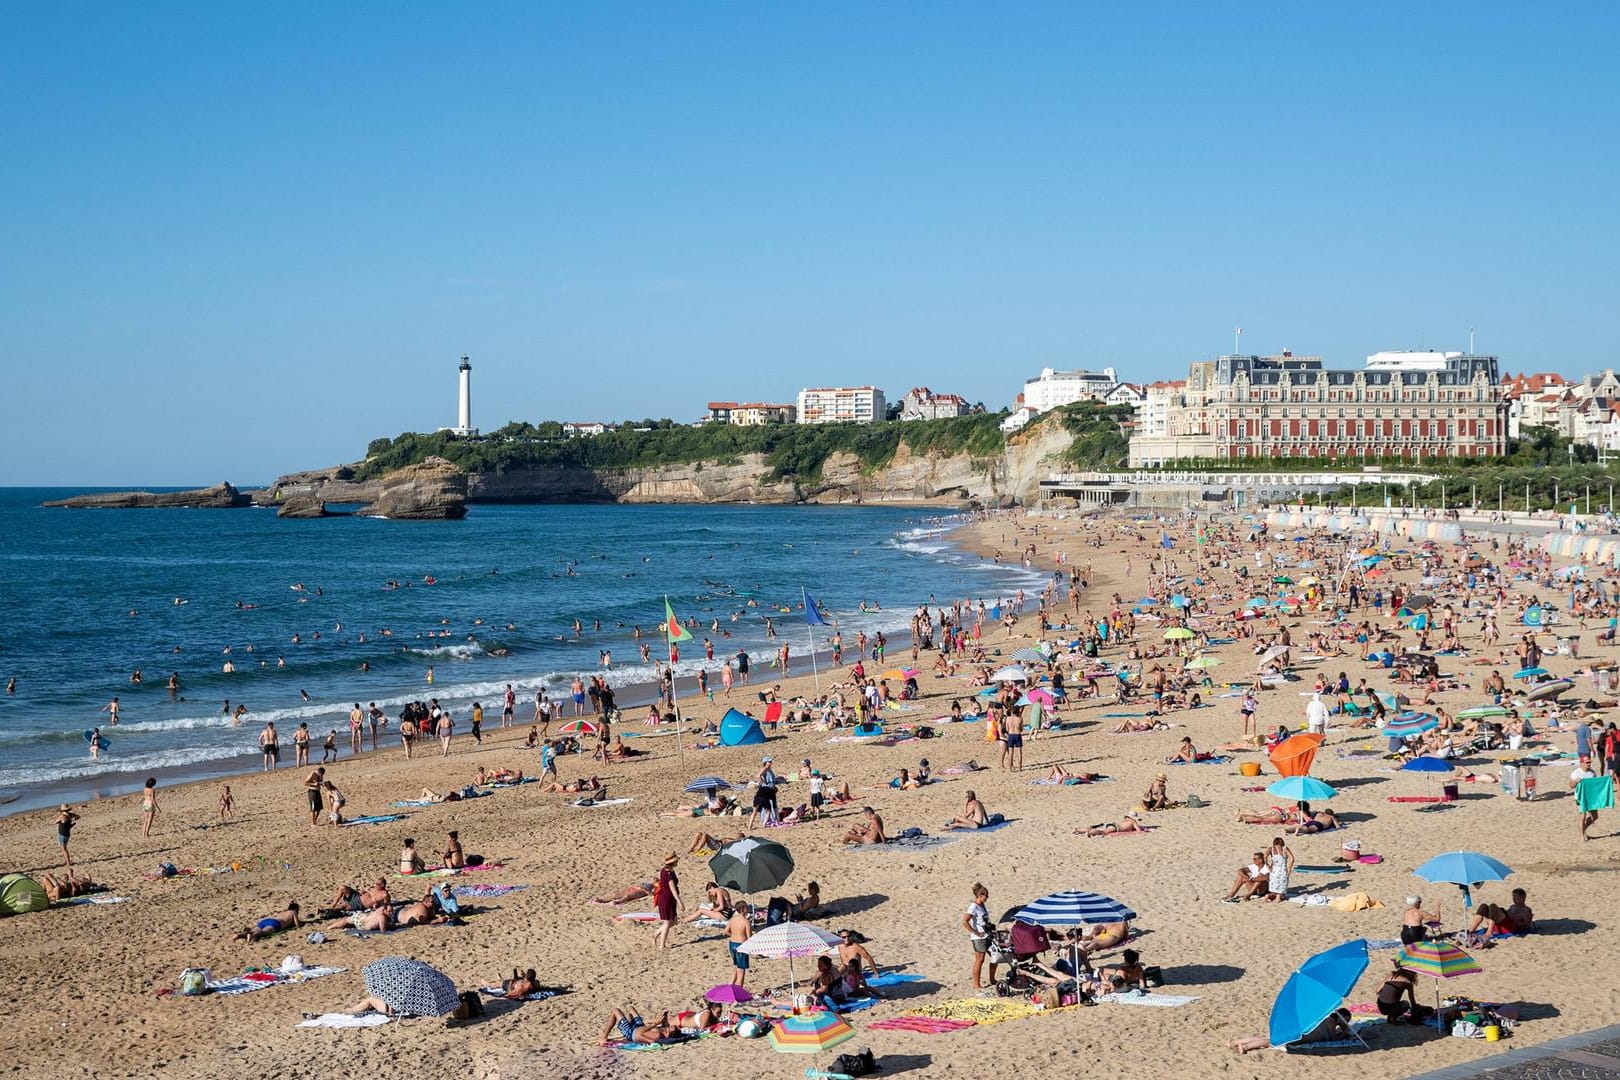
(20, 894)
(740, 729)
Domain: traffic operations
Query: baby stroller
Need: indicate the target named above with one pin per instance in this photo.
(1017, 948)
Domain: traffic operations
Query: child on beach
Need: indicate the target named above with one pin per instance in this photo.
(227, 804)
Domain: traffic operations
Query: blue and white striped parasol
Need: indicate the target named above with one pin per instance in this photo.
(1073, 908)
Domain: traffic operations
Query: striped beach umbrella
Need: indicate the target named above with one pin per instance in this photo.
(709, 783)
(1440, 959)
(790, 941)
(1404, 724)
(578, 726)
(1482, 712)
(810, 1033)
(1030, 656)
(410, 987)
(1073, 908)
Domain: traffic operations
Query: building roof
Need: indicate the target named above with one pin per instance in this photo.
(723, 405)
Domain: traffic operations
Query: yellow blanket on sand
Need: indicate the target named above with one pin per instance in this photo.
(1356, 901)
(979, 1010)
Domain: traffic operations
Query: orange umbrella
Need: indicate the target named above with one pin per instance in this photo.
(1294, 755)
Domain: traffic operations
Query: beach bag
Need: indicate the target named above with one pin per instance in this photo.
(1153, 976)
(194, 982)
(860, 1064)
(1195, 802)
(778, 910)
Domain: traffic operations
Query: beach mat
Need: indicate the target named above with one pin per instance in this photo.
(913, 843)
(374, 819)
(484, 892)
(545, 993)
(1220, 760)
(923, 1025)
(344, 1020)
(75, 901)
(893, 978)
(978, 1010)
(247, 984)
(592, 804)
(1156, 1001)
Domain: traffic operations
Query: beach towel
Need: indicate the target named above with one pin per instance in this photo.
(892, 978)
(1359, 1027)
(1318, 869)
(484, 892)
(246, 984)
(923, 1025)
(1385, 943)
(344, 1020)
(1594, 793)
(1356, 901)
(979, 1010)
(1156, 1001)
(591, 804)
(545, 993)
(860, 1004)
(75, 901)
(406, 802)
(1221, 759)
(909, 843)
(637, 916)
(1417, 798)
(375, 819)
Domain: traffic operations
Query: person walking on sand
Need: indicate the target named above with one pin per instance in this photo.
(738, 930)
(667, 899)
(149, 805)
(976, 921)
(478, 723)
(312, 788)
(445, 728)
(65, 820)
(269, 745)
(227, 803)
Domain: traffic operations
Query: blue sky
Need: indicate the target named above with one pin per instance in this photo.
(240, 241)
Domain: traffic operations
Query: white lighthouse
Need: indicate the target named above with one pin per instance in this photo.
(464, 424)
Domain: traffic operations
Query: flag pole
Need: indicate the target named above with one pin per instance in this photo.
(674, 699)
(810, 635)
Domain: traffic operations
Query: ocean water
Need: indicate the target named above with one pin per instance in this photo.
(89, 596)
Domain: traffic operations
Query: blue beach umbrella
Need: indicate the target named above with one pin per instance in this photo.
(1464, 869)
(1315, 989)
(1530, 672)
(1073, 908)
(1148, 601)
(1427, 764)
(708, 783)
(1257, 602)
(1301, 789)
(1180, 601)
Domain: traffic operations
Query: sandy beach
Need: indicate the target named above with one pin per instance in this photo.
(87, 978)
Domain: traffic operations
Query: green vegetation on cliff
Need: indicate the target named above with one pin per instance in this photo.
(791, 451)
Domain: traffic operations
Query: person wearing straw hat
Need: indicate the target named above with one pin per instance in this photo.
(667, 899)
(1157, 797)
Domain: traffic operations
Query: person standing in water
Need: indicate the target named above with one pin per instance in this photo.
(111, 709)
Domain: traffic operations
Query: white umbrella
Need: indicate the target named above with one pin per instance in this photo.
(1011, 673)
(790, 940)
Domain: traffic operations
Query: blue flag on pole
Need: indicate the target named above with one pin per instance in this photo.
(1165, 541)
(812, 612)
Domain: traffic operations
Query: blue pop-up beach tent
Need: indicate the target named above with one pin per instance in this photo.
(740, 729)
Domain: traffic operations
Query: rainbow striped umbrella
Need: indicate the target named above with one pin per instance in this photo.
(578, 726)
(810, 1033)
(1440, 959)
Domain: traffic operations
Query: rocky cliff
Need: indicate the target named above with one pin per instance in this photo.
(942, 479)
(431, 490)
(218, 497)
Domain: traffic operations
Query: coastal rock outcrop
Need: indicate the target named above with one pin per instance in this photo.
(302, 506)
(218, 497)
(431, 490)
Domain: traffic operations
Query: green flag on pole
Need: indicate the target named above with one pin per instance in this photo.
(672, 626)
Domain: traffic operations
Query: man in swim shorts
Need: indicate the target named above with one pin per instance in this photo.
(1012, 740)
(738, 929)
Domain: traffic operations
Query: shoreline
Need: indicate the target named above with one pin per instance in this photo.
(120, 783)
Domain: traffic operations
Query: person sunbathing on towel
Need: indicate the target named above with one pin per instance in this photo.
(1334, 1028)
(869, 830)
(1275, 815)
(1104, 936)
(1186, 752)
(630, 1027)
(973, 815)
(1131, 822)
(718, 905)
(351, 899)
(1127, 727)
(840, 794)
(432, 796)
(578, 787)
(67, 886)
(1319, 821)
(271, 924)
(707, 842)
(626, 895)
